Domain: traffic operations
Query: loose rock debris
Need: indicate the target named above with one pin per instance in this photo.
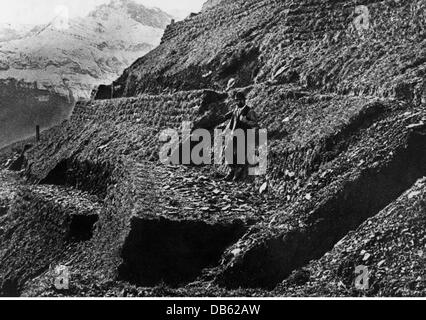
(346, 134)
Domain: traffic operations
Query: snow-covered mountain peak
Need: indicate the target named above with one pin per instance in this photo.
(152, 17)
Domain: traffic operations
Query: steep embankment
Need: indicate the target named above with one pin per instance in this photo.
(344, 109)
(390, 245)
(318, 45)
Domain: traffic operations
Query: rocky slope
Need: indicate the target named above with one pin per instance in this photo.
(317, 46)
(391, 245)
(210, 4)
(10, 31)
(344, 105)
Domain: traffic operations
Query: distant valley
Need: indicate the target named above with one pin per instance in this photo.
(45, 69)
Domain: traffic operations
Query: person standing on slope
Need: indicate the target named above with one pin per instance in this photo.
(241, 118)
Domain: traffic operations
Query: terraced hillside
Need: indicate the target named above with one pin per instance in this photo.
(343, 103)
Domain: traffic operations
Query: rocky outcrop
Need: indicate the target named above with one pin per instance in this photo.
(210, 4)
(59, 222)
(308, 43)
(151, 17)
(389, 247)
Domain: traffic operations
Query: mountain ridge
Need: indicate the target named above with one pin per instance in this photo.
(96, 42)
(71, 58)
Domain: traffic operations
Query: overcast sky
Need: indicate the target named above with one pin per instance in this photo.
(42, 11)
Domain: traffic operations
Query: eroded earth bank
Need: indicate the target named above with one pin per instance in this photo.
(344, 106)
